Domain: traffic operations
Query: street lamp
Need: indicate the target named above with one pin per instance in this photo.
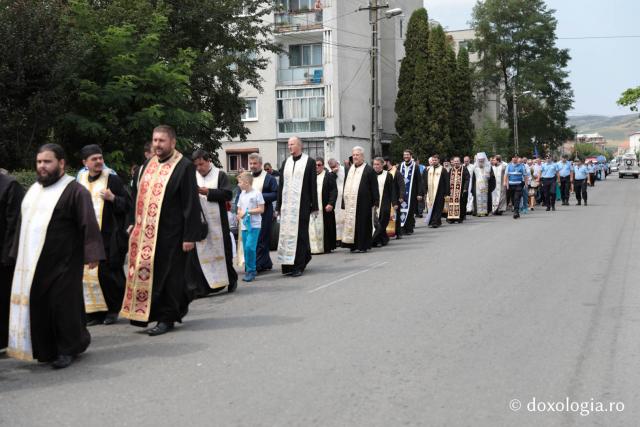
(374, 102)
(515, 118)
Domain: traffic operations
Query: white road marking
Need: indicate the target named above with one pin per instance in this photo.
(371, 267)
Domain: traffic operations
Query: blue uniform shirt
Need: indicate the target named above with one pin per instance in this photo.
(516, 173)
(591, 169)
(580, 172)
(564, 169)
(549, 170)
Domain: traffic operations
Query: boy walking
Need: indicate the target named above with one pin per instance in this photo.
(250, 209)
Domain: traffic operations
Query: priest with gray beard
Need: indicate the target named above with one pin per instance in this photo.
(359, 198)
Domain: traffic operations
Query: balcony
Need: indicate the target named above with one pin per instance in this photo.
(300, 76)
(303, 20)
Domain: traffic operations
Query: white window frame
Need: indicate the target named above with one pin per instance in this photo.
(244, 116)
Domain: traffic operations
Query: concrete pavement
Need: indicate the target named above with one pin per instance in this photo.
(446, 327)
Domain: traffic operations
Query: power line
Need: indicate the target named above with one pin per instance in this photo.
(598, 37)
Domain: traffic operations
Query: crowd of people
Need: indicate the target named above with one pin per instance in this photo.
(65, 242)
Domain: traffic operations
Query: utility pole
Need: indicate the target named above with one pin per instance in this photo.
(515, 119)
(374, 102)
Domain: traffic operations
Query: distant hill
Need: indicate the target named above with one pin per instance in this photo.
(615, 128)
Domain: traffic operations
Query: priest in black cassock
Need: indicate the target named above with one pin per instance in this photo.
(166, 225)
(359, 197)
(436, 188)
(412, 193)
(11, 194)
(104, 289)
(266, 184)
(297, 201)
(458, 191)
(58, 235)
(322, 227)
(211, 264)
(388, 196)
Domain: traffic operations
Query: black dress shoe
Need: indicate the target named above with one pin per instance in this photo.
(548, 209)
(63, 361)
(516, 215)
(93, 322)
(110, 318)
(232, 287)
(160, 328)
(296, 273)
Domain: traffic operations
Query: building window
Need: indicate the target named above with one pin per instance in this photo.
(400, 22)
(313, 147)
(305, 55)
(237, 161)
(300, 110)
(463, 44)
(297, 5)
(251, 113)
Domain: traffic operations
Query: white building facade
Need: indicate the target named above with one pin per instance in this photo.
(319, 90)
(634, 142)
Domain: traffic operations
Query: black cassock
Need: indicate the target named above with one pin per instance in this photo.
(198, 284)
(464, 192)
(416, 190)
(389, 196)
(329, 197)
(441, 193)
(308, 204)
(115, 238)
(56, 302)
(180, 219)
(11, 194)
(368, 198)
(270, 195)
(492, 186)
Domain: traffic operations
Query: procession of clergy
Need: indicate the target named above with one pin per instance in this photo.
(65, 242)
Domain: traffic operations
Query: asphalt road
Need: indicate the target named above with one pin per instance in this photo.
(446, 327)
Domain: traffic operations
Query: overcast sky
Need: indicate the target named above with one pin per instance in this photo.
(600, 69)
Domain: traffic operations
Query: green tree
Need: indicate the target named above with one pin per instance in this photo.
(492, 139)
(516, 41)
(630, 98)
(416, 47)
(432, 96)
(231, 39)
(462, 106)
(38, 56)
(130, 86)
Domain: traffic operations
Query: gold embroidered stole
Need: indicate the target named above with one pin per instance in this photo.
(290, 209)
(93, 298)
(36, 211)
(142, 243)
(455, 189)
(338, 210)
(434, 181)
(316, 223)
(351, 187)
(211, 253)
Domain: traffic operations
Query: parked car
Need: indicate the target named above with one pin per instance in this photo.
(613, 166)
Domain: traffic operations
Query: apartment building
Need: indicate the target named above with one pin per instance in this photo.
(320, 88)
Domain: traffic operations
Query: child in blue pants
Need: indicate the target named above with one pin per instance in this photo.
(250, 209)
